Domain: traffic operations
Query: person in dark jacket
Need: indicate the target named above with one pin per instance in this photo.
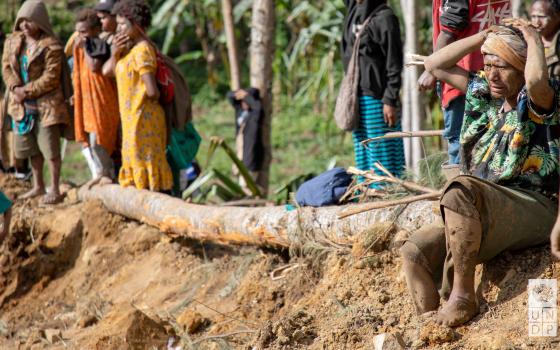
(248, 125)
(454, 20)
(380, 64)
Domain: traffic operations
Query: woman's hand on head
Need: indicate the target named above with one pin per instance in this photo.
(528, 30)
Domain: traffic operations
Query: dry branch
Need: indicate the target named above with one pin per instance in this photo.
(221, 336)
(378, 178)
(403, 134)
(386, 204)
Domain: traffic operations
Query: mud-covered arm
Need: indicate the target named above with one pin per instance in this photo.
(50, 78)
(536, 72)
(443, 63)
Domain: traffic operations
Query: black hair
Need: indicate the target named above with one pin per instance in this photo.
(89, 17)
(554, 4)
(136, 11)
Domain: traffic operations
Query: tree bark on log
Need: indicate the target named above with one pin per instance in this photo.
(229, 28)
(262, 54)
(265, 226)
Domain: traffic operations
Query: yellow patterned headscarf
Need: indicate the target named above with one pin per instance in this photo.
(508, 45)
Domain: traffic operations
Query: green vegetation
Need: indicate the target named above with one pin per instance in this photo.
(307, 71)
(304, 142)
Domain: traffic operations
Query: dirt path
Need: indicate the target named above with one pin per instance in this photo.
(78, 277)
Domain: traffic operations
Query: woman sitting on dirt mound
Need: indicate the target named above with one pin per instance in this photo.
(144, 131)
(506, 199)
(39, 87)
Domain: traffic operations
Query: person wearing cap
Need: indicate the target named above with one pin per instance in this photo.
(507, 197)
(6, 212)
(39, 87)
(108, 20)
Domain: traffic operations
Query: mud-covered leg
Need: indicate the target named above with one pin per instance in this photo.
(419, 280)
(464, 236)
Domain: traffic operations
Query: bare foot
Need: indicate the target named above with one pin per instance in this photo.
(52, 198)
(457, 311)
(35, 192)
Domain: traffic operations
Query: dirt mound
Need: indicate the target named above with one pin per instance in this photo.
(77, 277)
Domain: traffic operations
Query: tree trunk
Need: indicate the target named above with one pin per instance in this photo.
(208, 50)
(262, 55)
(235, 75)
(413, 112)
(264, 226)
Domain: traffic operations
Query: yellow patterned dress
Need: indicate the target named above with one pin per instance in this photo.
(144, 164)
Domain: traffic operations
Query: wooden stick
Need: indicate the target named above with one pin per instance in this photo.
(403, 134)
(385, 204)
(226, 335)
(414, 60)
(378, 178)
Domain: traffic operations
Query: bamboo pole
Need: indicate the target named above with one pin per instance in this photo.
(276, 226)
(412, 111)
(403, 134)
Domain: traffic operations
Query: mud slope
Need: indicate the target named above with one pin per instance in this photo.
(78, 277)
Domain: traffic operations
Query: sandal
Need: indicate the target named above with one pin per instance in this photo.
(52, 198)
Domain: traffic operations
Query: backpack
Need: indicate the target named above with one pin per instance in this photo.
(164, 80)
(325, 189)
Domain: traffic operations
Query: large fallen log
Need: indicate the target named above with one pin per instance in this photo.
(276, 226)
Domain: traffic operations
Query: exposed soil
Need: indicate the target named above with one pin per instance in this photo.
(74, 276)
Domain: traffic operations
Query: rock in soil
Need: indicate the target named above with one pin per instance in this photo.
(388, 341)
(433, 334)
(192, 321)
(53, 335)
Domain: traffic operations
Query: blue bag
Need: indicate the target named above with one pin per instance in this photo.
(325, 189)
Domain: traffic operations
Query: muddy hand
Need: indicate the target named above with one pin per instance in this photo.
(555, 239)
